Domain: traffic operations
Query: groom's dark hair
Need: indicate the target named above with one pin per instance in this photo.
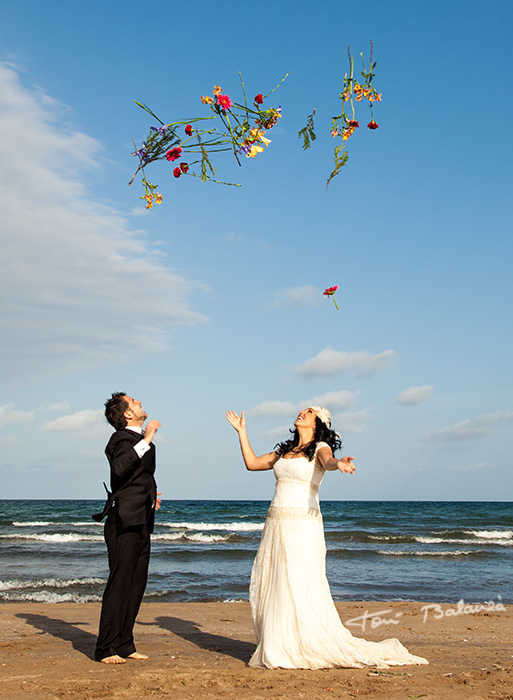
(115, 408)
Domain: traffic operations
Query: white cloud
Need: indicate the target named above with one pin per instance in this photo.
(307, 296)
(274, 408)
(334, 400)
(281, 433)
(82, 423)
(415, 394)
(477, 427)
(79, 287)
(8, 414)
(351, 422)
(329, 362)
(58, 407)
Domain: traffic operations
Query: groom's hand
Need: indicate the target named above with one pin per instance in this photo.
(151, 428)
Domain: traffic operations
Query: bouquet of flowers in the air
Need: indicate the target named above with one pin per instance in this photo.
(188, 144)
(345, 124)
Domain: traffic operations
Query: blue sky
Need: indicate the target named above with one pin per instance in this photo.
(213, 300)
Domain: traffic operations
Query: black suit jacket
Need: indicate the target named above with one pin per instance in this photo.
(132, 480)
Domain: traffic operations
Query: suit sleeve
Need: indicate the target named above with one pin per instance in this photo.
(123, 457)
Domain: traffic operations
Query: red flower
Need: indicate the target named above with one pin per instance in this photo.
(259, 99)
(174, 153)
(224, 102)
(177, 172)
(188, 130)
(184, 167)
(353, 123)
(330, 291)
(373, 125)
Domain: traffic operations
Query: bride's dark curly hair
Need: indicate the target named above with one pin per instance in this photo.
(321, 434)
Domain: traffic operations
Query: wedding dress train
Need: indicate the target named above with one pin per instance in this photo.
(294, 617)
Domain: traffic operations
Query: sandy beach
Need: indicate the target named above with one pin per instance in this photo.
(201, 650)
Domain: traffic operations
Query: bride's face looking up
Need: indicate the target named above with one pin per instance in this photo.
(306, 419)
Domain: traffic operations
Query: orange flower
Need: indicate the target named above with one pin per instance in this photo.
(334, 133)
(207, 100)
(217, 90)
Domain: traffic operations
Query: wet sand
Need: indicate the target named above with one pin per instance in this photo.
(201, 650)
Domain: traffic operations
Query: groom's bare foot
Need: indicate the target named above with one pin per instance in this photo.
(137, 656)
(114, 659)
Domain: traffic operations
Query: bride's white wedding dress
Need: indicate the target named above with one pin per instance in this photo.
(295, 620)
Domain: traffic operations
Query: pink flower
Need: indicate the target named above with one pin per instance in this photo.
(188, 130)
(177, 172)
(184, 167)
(330, 292)
(224, 102)
(373, 125)
(259, 99)
(174, 153)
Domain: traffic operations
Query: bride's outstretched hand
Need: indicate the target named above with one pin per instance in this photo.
(346, 465)
(238, 422)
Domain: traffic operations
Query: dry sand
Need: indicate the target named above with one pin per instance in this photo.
(201, 650)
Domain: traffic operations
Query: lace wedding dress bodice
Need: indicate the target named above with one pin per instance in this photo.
(295, 619)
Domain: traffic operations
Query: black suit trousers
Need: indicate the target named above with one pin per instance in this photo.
(129, 556)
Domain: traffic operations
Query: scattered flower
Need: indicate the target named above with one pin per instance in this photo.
(142, 153)
(184, 167)
(259, 99)
(188, 130)
(224, 102)
(330, 292)
(353, 123)
(372, 125)
(174, 153)
(206, 100)
(177, 172)
(217, 90)
(161, 130)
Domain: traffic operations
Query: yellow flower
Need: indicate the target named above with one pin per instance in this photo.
(255, 148)
(207, 100)
(262, 138)
(334, 133)
(347, 133)
(217, 90)
(158, 198)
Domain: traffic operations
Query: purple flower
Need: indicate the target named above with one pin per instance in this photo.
(142, 153)
(160, 130)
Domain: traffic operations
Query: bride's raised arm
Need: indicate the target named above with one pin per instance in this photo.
(252, 462)
(331, 463)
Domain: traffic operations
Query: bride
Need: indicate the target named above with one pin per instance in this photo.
(294, 617)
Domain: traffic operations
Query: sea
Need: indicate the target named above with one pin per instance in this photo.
(51, 551)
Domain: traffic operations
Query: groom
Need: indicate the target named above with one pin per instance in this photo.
(131, 513)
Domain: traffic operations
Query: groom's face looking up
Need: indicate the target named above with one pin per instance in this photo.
(134, 414)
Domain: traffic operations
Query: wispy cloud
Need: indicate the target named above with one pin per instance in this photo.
(307, 296)
(80, 288)
(334, 400)
(470, 428)
(329, 362)
(351, 422)
(80, 424)
(8, 414)
(415, 394)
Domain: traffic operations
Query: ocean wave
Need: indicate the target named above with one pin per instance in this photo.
(33, 523)
(233, 527)
(491, 534)
(47, 597)
(196, 537)
(18, 584)
(444, 553)
(56, 538)
(446, 540)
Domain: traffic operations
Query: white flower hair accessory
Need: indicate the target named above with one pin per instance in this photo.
(323, 414)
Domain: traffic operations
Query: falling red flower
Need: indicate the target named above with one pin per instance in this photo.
(184, 167)
(177, 172)
(259, 99)
(353, 123)
(224, 102)
(373, 125)
(174, 153)
(188, 130)
(330, 292)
